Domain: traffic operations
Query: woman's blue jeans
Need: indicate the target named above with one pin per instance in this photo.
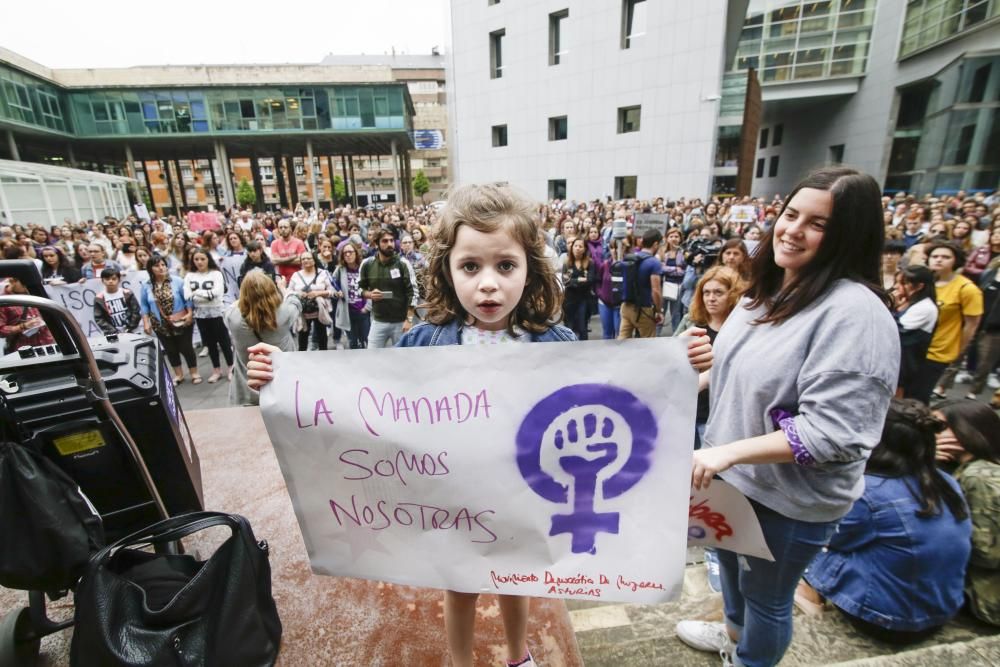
(758, 594)
(611, 320)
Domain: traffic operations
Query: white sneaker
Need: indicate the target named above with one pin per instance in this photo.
(204, 352)
(993, 382)
(705, 636)
(963, 377)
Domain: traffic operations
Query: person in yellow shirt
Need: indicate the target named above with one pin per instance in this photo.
(960, 307)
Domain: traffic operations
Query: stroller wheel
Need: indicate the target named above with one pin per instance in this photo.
(16, 649)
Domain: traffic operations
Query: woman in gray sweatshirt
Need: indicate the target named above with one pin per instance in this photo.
(804, 371)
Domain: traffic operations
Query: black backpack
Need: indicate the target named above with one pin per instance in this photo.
(625, 278)
(48, 528)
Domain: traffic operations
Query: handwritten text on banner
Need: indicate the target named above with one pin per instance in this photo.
(559, 469)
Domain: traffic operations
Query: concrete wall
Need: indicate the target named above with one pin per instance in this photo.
(669, 72)
(218, 75)
(864, 121)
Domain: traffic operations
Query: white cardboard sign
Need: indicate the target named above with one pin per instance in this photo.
(555, 470)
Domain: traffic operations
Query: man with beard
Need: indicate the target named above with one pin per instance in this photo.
(387, 279)
(286, 250)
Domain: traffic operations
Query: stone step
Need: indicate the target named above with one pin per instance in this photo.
(981, 652)
(629, 634)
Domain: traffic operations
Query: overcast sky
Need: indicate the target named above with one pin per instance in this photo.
(124, 33)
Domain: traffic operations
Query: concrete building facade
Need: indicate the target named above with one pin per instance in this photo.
(573, 100)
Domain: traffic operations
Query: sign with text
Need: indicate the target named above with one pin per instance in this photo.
(644, 221)
(199, 221)
(722, 517)
(556, 470)
(79, 298)
(743, 214)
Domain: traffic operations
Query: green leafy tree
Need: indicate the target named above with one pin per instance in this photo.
(245, 194)
(339, 194)
(421, 185)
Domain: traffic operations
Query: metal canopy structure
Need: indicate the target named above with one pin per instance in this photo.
(46, 195)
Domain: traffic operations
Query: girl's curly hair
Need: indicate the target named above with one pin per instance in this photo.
(488, 209)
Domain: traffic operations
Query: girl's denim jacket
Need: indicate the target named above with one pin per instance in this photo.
(426, 334)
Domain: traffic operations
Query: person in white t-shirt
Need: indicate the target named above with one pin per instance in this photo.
(917, 315)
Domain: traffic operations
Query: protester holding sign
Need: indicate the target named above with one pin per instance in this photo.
(488, 282)
(807, 365)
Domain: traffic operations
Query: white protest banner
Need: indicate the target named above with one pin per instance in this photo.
(556, 470)
(721, 517)
(230, 267)
(644, 221)
(79, 298)
(743, 214)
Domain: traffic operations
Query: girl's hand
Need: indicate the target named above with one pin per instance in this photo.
(699, 348)
(259, 371)
(706, 464)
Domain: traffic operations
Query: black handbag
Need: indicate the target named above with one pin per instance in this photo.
(134, 607)
(48, 528)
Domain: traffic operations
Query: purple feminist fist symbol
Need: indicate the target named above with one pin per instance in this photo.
(595, 439)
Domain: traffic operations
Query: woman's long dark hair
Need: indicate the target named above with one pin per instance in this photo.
(907, 449)
(921, 275)
(851, 248)
(976, 427)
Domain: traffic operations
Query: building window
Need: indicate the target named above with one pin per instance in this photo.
(760, 167)
(496, 53)
(628, 119)
(836, 154)
(499, 135)
(928, 22)
(779, 130)
(267, 173)
(557, 188)
(191, 195)
(625, 187)
(633, 21)
(555, 35)
(772, 170)
(763, 138)
(186, 172)
(19, 101)
(557, 128)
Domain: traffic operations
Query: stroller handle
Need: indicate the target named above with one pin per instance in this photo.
(97, 386)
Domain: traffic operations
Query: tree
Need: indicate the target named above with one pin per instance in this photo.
(421, 185)
(245, 194)
(339, 194)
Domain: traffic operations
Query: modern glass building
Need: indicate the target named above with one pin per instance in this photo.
(113, 120)
(907, 90)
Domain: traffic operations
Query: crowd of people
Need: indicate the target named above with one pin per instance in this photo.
(879, 305)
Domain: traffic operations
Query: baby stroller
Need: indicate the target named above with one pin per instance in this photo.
(55, 399)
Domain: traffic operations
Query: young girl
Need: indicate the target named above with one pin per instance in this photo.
(488, 282)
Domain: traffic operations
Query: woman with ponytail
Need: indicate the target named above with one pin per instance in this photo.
(896, 565)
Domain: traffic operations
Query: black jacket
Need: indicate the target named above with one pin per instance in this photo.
(104, 320)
